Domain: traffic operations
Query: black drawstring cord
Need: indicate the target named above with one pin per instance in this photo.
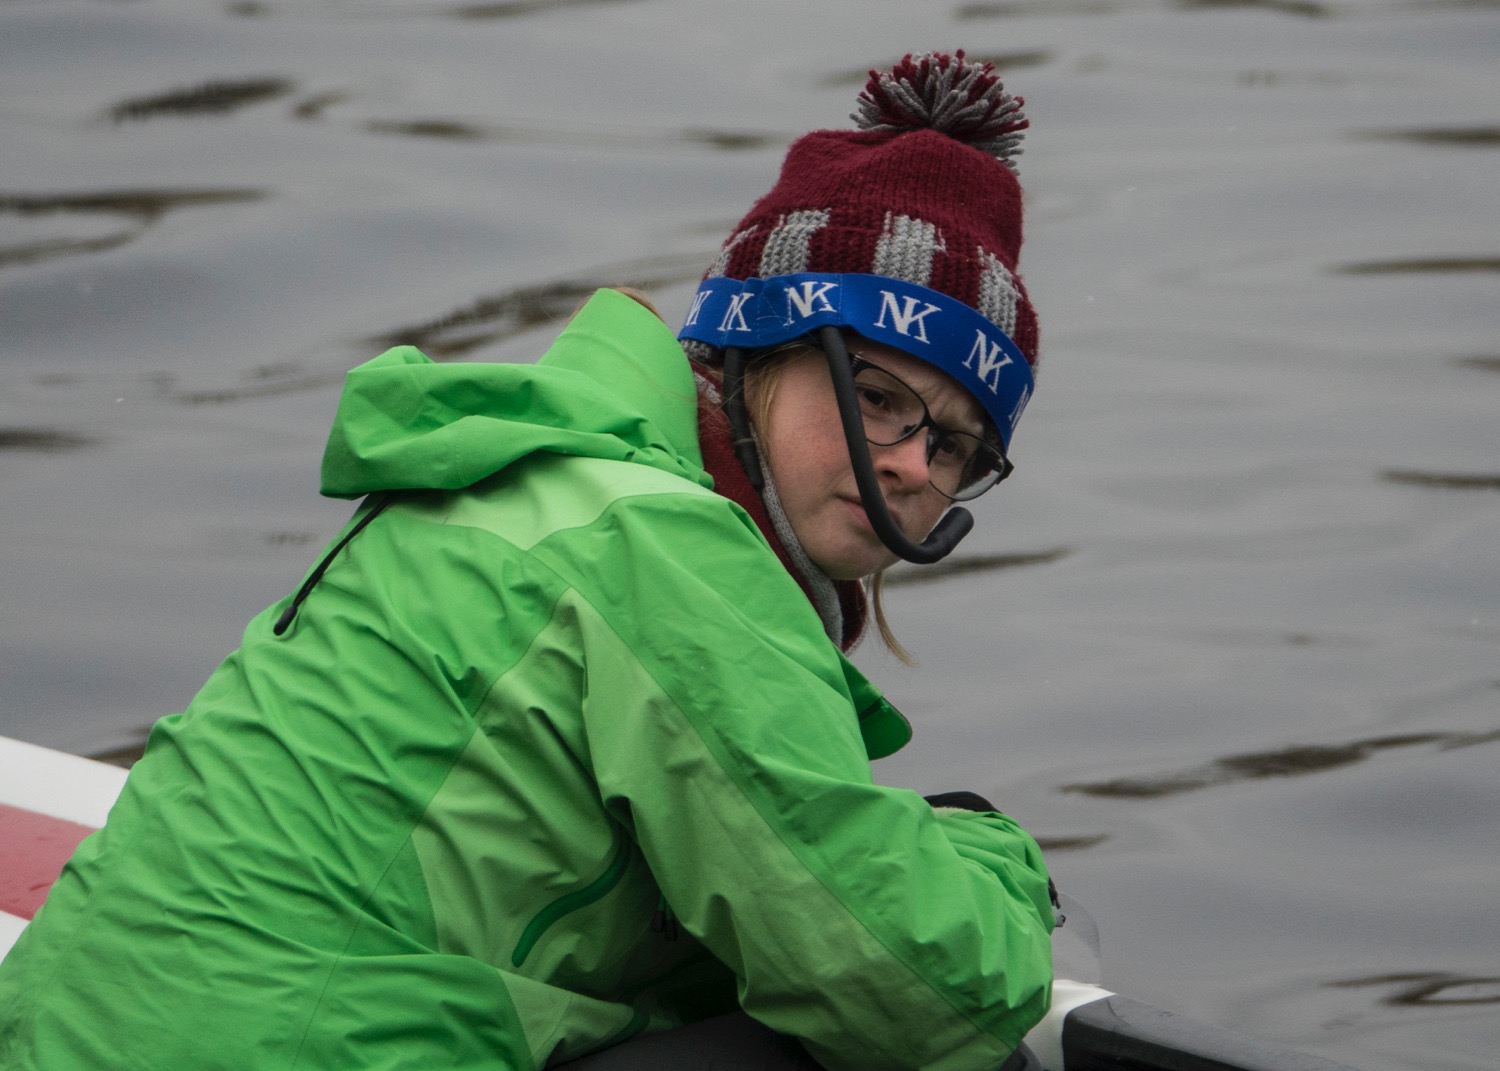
(956, 523)
(284, 622)
(739, 417)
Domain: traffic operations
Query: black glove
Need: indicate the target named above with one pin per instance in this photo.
(963, 801)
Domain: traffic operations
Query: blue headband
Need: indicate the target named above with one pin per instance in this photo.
(755, 313)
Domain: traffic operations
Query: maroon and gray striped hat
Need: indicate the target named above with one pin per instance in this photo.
(924, 191)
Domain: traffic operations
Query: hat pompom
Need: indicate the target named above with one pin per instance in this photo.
(948, 94)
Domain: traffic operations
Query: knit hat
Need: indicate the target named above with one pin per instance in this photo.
(906, 230)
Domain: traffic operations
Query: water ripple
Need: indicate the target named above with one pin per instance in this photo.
(1422, 266)
(1288, 762)
(500, 316)
(295, 381)
(1454, 481)
(1028, 8)
(482, 322)
(1429, 988)
(1476, 137)
(218, 97)
(592, 137)
(509, 9)
(141, 208)
(43, 440)
(1484, 364)
(144, 204)
(1301, 8)
(1053, 845)
(314, 106)
(1454, 5)
(1297, 8)
(445, 129)
(1003, 61)
(974, 563)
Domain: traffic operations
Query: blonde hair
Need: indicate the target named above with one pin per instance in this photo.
(761, 379)
(640, 298)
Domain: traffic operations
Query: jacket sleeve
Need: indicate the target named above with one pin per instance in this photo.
(721, 729)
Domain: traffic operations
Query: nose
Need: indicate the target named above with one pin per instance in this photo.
(903, 465)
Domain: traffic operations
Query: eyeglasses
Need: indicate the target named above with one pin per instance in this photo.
(960, 466)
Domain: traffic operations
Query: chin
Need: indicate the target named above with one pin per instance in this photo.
(855, 566)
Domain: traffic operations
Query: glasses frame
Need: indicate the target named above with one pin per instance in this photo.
(858, 363)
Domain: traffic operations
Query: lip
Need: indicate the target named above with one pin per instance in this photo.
(857, 506)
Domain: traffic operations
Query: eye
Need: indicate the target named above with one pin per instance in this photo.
(875, 400)
(986, 466)
(982, 467)
(953, 450)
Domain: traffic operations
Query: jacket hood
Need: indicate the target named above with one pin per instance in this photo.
(614, 385)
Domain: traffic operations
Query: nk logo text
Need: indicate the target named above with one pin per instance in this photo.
(986, 358)
(906, 317)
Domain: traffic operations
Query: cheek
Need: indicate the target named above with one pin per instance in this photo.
(807, 478)
(805, 450)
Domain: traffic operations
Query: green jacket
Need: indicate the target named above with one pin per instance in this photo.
(554, 752)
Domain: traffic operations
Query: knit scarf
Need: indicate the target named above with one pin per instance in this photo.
(841, 604)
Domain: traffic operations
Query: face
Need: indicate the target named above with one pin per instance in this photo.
(803, 443)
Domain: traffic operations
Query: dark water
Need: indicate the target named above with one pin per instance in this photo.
(1228, 641)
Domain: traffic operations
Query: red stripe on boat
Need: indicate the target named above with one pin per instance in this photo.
(34, 848)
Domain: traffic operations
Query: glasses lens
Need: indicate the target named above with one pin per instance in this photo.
(964, 466)
(891, 409)
(960, 466)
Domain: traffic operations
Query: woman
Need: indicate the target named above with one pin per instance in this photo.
(552, 748)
